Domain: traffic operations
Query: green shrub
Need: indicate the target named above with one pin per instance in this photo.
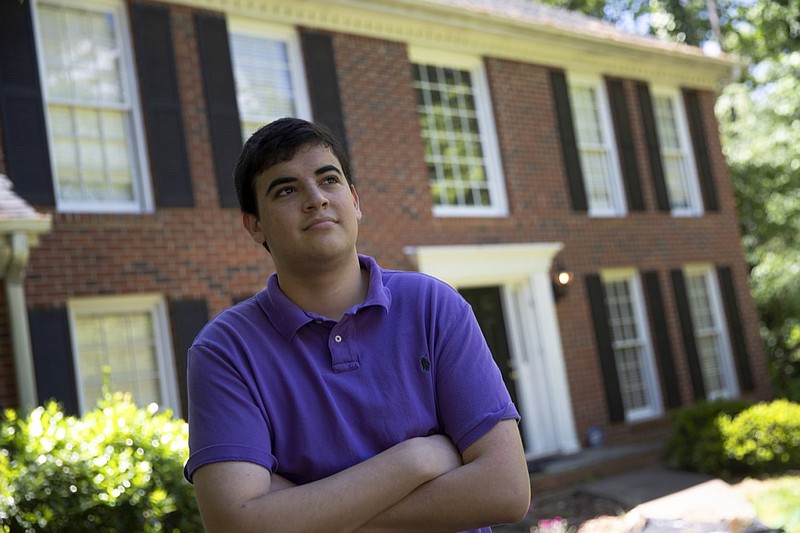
(763, 439)
(117, 469)
(696, 443)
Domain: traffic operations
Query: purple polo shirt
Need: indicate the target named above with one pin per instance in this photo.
(306, 397)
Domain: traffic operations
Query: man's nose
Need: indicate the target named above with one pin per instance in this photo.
(315, 198)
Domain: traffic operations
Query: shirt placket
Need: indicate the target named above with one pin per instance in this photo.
(341, 344)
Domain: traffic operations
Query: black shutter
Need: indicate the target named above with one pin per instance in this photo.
(625, 144)
(735, 328)
(21, 106)
(653, 148)
(221, 107)
(323, 82)
(569, 146)
(52, 357)
(663, 346)
(687, 328)
(188, 317)
(695, 116)
(169, 164)
(602, 331)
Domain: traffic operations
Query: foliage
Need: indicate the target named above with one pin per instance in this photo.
(696, 443)
(119, 468)
(763, 439)
(761, 126)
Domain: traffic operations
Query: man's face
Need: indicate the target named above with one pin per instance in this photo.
(307, 212)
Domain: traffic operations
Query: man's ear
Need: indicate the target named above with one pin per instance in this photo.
(253, 227)
(356, 200)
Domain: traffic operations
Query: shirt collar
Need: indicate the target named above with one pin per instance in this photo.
(288, 318)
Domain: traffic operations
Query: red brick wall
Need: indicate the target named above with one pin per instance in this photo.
(204, 253)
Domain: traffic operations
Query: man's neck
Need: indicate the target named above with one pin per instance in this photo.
(329, 291)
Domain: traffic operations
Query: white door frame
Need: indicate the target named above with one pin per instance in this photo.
(523, 272)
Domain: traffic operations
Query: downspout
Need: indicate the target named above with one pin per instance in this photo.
(13, 268)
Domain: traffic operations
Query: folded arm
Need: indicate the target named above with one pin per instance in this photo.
(492, 487)
(239, 496)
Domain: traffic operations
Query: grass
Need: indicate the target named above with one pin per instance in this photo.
(777, 501)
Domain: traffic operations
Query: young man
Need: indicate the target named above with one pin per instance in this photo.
(343, 396)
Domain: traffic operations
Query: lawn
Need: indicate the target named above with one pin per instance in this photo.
(776, 500)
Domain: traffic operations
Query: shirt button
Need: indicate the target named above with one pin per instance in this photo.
(338, 338)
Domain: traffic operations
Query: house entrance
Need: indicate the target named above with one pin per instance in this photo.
(488, 308)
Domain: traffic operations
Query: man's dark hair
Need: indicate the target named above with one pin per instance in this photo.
(279, 141)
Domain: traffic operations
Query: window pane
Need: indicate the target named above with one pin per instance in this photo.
(595, 149)
(89, 114)
(449, 123)
(675, 160)
(628, 345)
(123, 346)
(82, 54)
(708, 335)
(264, 90)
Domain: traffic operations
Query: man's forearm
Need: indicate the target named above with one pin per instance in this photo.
(342, 502)
(492, 487)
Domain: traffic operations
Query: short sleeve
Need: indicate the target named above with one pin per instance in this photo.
(471, 395)
(225, 420)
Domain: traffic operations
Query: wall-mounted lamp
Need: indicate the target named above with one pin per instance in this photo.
(562, 277)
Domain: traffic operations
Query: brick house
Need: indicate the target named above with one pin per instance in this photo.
(493, 145)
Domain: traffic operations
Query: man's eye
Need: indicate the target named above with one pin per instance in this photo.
(284, 191)
(331, 179)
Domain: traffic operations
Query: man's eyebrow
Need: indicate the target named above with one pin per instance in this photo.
(279, 181)
(327, 168)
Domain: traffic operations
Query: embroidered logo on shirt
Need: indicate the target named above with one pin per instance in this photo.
(425, 364)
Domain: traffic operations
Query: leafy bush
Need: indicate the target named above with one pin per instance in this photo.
(763, 439)
(696, 443)
(119, 468)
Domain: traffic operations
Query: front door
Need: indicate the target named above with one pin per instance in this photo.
(487, 305)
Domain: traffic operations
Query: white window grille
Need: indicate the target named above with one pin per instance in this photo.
(123, 341)
(93, 118)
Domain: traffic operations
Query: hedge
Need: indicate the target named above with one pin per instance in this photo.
(119, 468)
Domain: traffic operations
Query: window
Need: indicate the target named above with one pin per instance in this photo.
(710, 333)
(93, 121)
(126, 340)
(267, 69)
(595, 140)
(676, 154)
(457, 128)
(633, 353)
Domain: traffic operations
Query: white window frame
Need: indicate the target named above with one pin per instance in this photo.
(613, 184)
(486, 125)
(695, 208)
(142, 201)
(725, 361)
(287, 34)
(156, 306)
(655, 407)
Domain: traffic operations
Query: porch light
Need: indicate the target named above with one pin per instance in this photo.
(561, 280)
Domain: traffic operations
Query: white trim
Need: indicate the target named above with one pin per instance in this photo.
(142, 201)
(523, 273)
(288, 34)
(459, 29)
(495, 180)
(687, 149)
(655, 406)
(614, 184)
(156, 306)
(727, 365)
